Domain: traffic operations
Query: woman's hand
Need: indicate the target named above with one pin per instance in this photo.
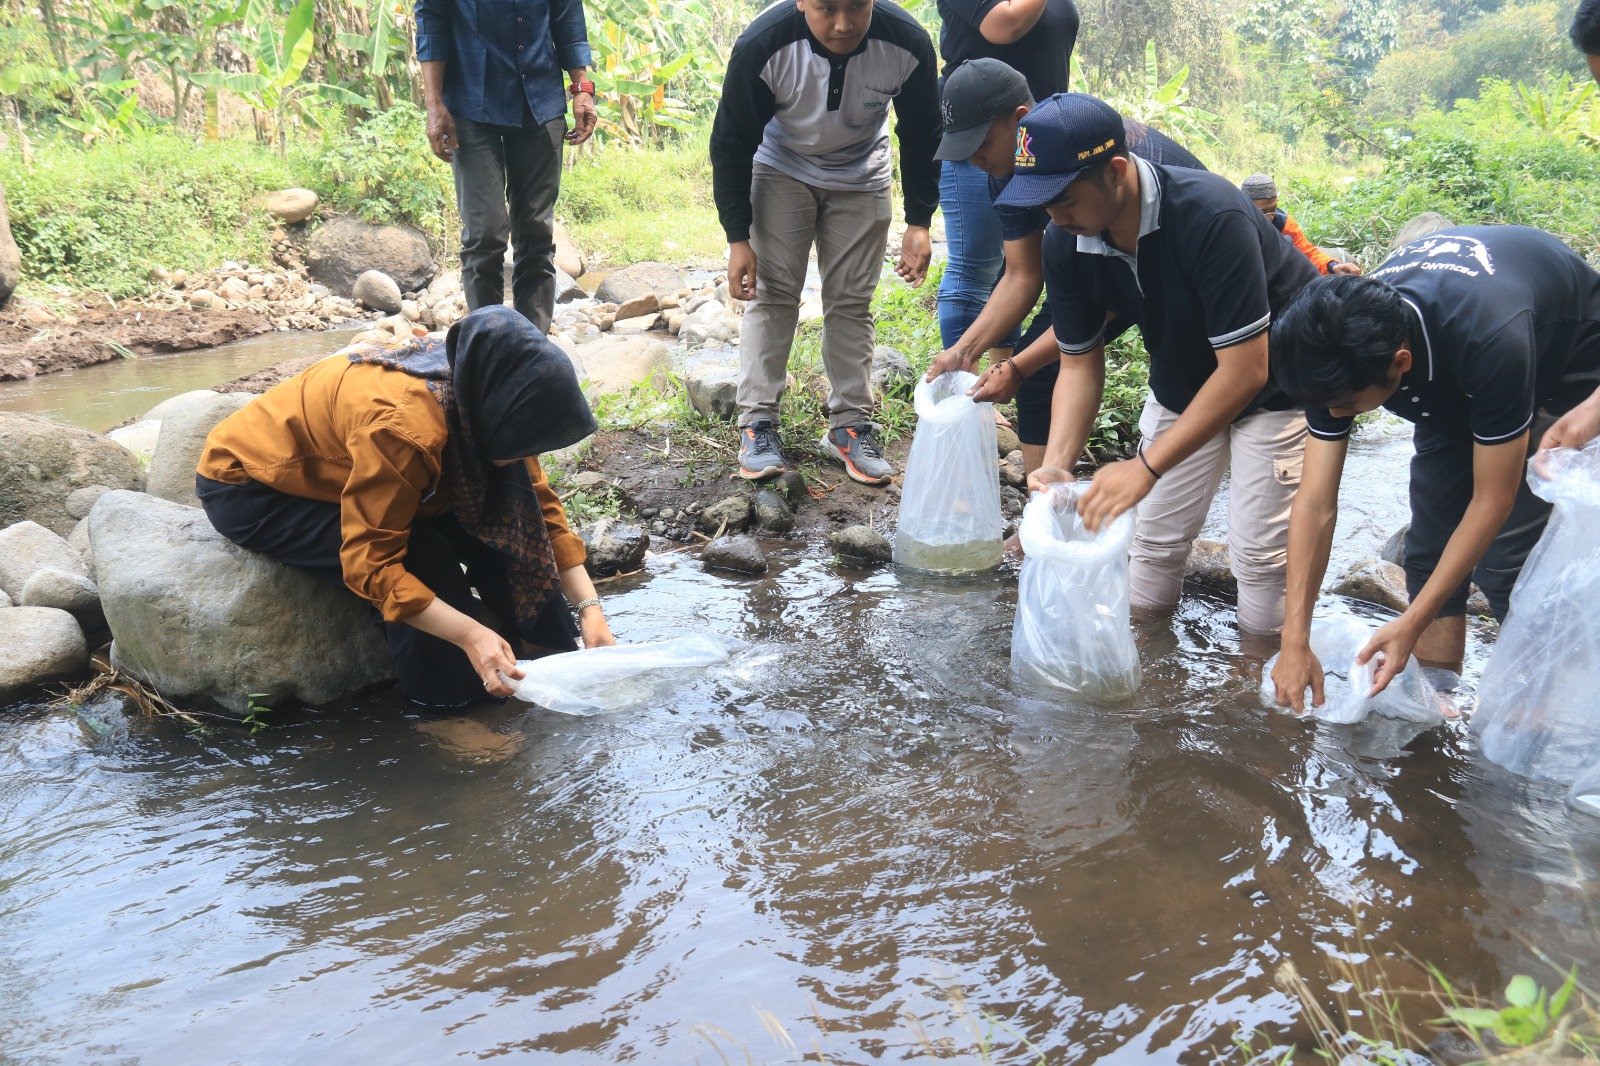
(595, 629)
(491, 656)
(999, 384)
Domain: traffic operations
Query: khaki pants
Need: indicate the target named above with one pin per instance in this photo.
(849, 229)
(1265, 452)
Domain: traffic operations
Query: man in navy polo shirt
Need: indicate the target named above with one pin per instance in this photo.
(1187, 258)
(1480, 335)
(491, 78)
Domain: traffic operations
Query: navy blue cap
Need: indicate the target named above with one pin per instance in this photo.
(1057, 141)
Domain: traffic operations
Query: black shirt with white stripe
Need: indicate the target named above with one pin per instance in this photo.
(1505, 320)
(1208, 272)
(1043, 55)
(789, 103)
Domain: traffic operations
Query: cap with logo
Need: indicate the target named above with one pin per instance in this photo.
(975, 94)
(1057, 141)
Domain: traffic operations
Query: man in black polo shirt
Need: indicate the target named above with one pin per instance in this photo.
(1481, 336)
(982, 103)
(1186, 257)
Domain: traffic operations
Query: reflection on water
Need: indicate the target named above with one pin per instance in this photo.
(861, 821)
(99, 397)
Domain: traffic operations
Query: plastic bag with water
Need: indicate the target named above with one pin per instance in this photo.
(950, 503)
(1336, 642)
(1072, 630)
(1538, 708)
(621, 677)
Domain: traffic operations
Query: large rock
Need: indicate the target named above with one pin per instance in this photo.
(343, 249)
(620, 286)
(738, 555)
(10, 256)
(63, 590)
(139, 438)
(732, 514)
(772, 511)
(712, 381)
(891, 373)
(1418, 227)
(377, 291)
(1375, 581)
(27, 548)
(42, 461)
(615, 364)
(197, 617)
(292, 205)
(1394, 549)
(38, 644)
(614, 548)
(183, 438)
(569, 259)
(862, 545)
(1211, 567)
(181, 402)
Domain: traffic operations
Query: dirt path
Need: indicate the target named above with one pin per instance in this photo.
(94, 335)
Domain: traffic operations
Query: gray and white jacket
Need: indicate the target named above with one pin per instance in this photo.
(789, 103)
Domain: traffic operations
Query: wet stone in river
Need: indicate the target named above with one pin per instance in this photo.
(733, 514)
(614, 547)
(772, 512)
(862, 545)
(737, 555)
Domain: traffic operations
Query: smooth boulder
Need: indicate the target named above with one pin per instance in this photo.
(1375, 581)
(620, 286)
(736, 555)
(42, 462)
(616, 364)
(377, 291)
(291, 205)
(199, 618)
(182, 439)
(861, 544)
(38, 644)
(343, 249)
(64, 590)
(26, 548)
(712, 382)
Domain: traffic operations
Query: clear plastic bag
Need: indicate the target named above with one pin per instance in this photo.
(1336, 641)
(622, 677)
(1538, 710)
(1072, 631)
(1584, 796)
(950, 503)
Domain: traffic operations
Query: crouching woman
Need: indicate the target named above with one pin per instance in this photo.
(409, 474)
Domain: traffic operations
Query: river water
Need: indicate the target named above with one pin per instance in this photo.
(858, 846)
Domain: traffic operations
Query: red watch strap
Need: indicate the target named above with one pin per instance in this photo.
(577, 87)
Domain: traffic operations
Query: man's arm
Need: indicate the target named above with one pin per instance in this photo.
(1496, 477)
(746, 106)
(1013, 297)
(1241, 372)
(916, 127)
(1010, 20)
(1577, 427)
(1073, 406)
(434, 36)
(570, 34)
(1311, 521)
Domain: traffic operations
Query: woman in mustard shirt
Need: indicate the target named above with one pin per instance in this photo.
(409, 473)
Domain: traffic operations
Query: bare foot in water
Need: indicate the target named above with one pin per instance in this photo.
(470, 739)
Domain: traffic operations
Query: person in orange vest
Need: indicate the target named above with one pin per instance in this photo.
(1263, 192)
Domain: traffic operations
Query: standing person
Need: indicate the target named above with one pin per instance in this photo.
(1034, 39)
(800, 155)
(1263, 192)
(1187, 258)
(1479, 335)
(491, 76)
(982, 104)
(409, 474)
(1582, 424)
(1585, 33)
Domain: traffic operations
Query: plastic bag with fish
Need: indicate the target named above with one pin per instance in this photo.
(1538, 697)
(622, 677)
(1336, 642)
(1072, 630)
(950, 503)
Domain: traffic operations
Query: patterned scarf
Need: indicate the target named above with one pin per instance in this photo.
(497, 504)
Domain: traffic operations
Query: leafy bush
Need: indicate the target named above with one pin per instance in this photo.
(384, 171)
(105, 216)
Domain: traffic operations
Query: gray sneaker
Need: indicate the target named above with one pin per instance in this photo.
(760, 454)
(857, 447)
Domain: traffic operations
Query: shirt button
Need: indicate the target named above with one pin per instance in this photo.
(519, 22)
(1425, 414)
(1416, 399)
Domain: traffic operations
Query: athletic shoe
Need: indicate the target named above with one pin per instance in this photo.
(760, 454)
(857, 447)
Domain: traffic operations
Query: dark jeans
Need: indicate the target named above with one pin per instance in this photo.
(520, 166)
(305, 534)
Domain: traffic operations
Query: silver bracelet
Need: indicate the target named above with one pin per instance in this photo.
(592, 601)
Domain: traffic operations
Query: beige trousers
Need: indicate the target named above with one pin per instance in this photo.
(849, 229)
(1265, 452)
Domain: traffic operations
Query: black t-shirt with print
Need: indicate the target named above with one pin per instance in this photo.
(1043, 55)
(1143, 141)
(1210, 275)
(1504, 320)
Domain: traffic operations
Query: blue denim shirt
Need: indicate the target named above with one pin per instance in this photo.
(503, 59)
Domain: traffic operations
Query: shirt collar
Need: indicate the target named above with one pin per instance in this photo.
(1149, 210)
(1420, 329)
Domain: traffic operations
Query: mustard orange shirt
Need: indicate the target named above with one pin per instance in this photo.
(371, 440)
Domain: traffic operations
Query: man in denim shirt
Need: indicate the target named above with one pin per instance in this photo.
(491, 72)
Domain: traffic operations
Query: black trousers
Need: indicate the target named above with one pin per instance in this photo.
(460, 569)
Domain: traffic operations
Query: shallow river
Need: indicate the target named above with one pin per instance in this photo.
(860, 847)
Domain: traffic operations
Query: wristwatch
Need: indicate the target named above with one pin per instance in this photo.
(585, 86)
